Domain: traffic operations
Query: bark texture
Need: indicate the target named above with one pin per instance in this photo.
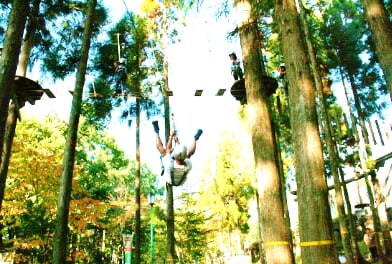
(381, 28)
(276, 237)
(61, 228)
(315, 225)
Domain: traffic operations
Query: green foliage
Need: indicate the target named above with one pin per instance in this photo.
(101, 197)
(349, 51)
(60, 49)
(227, 194)
(388, 7)
(131, 36)
(191, 230)
(29, 202)
(96, 110)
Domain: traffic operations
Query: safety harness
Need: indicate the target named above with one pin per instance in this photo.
(171, 171)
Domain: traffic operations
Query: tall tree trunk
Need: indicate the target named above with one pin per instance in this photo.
(28, 41)
(9, 60)
(373, 186)
(138, 228)
(61, 227)
(360, 113)
(8, 140)
(374, 181)
(17, 104)
(170, 239)
(362, 163)
(283, 187)
(315, 224)
(381, 28)
(259, 231)
(276, 238)
(331, 147)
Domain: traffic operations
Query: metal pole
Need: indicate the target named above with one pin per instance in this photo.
(151, 234)
(128, 247)
(118, 46)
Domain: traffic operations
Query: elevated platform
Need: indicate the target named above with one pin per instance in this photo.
(30, 91)
(238, 90)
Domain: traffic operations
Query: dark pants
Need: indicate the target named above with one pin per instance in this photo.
(119, 80)
(373, 251)
(238, 75)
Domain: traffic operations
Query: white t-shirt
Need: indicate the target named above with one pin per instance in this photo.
(180, 172)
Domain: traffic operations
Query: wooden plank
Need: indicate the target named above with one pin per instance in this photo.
(198, 92)
(220, 92)
(49, 93)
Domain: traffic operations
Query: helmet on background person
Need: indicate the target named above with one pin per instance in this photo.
(233, 55)
(180, 152)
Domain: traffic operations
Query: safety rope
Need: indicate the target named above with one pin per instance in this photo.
(173, 125)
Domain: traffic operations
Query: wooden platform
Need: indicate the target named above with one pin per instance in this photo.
(238, 90)
(29, 90)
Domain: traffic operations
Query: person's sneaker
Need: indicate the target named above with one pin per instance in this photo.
(156, 126)
(198, 134)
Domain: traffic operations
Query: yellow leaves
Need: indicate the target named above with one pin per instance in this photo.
(86, 211)
(371, 164)
(31, 244)
(119, 203)
(12, 208)
(151, 8)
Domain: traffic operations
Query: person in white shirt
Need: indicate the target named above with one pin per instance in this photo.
(236, 69)
(370, 241)
(176, 162)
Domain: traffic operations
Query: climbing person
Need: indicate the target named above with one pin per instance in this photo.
(236, 69)
(282, 70)
(120, 76)
(370, 240)
(175, 158)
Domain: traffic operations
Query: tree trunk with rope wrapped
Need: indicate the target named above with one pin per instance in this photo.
(315, 223)
(349, 243)
(275, 233)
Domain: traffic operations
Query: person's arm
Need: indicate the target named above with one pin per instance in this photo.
(367, 239)
(170, 142)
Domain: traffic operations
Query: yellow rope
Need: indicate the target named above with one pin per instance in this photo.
(316, 243)
(275, 243)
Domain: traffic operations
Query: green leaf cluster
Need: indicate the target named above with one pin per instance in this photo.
(101, 197)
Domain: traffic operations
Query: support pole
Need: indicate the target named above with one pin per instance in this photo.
(151, 234)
